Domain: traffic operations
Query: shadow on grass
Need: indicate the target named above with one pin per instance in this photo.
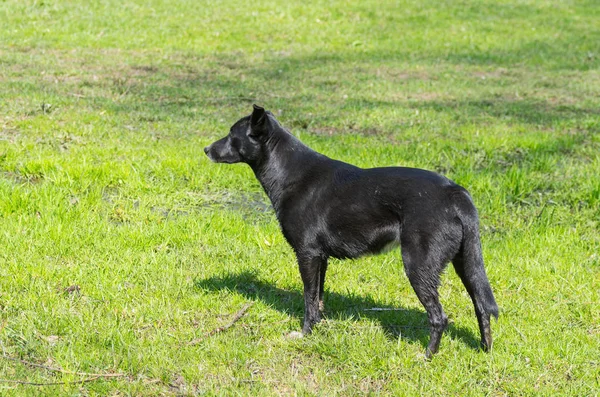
(531, 111)
(275, 82)
(312, 89)
(410, 324)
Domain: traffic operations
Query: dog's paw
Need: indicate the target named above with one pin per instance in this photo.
(295, 335)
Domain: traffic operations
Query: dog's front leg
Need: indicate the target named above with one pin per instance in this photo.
(310, 270)
(323, 270)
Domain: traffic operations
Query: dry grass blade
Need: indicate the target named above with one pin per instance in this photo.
(88, 377)
(235, 319)
(62, 371)
(26, 383)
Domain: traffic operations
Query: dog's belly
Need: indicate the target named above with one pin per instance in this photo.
(375, 240)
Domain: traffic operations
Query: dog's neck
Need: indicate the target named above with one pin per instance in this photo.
(278, 172)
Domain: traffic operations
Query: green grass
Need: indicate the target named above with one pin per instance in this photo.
(105, 108)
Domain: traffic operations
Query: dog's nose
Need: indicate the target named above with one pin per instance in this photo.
(206, 150)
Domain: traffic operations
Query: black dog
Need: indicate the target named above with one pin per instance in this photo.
(327, 208)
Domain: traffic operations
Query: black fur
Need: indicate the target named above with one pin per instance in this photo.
(327, 208)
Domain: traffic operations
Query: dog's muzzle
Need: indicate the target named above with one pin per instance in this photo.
(207, 152)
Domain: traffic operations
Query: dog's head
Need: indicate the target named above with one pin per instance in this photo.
(245, 141)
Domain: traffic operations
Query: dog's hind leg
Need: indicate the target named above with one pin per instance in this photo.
(423, 272)
(323, 270)
(470, 282)
(468, 263)
(469, 267)
(310, 270)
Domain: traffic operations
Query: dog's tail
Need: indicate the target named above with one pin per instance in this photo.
(469, 261)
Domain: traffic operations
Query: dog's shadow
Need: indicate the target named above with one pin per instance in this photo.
(407, 323)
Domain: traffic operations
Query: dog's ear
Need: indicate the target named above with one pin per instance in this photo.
(257, 121)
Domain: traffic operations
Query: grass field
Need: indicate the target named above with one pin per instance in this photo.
(120, 242)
